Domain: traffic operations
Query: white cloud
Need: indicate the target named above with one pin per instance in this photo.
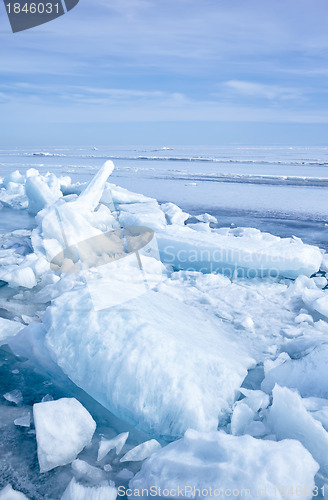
(261, 90)
(74, 104)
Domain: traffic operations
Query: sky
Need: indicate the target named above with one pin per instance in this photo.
(168, 72)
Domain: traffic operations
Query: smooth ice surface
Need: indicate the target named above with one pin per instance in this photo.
(307, 374)
(317, 302)
(76, 491)
(142, 451)
(289, 419)
(106, 445)
(8, 329)
(256, 400)
(90, 196)
(318, 408)
(246, 251)
(63, 428)
(24, 420)
(146, 214)
(220, 461)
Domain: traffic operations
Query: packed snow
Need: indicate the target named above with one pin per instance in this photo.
(211, 339)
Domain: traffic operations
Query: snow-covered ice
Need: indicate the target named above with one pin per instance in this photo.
(202, 461)
(289, 419)
(174, 214)
(63, 428)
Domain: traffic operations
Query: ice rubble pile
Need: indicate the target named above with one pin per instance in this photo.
(31, 190)
(175, 356)
(241, 250)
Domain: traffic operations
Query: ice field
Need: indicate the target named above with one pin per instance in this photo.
(163, 322)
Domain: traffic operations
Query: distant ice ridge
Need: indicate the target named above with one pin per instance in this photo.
(227, 157)
(176, 355)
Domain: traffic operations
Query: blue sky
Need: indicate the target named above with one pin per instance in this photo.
(168, 71)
